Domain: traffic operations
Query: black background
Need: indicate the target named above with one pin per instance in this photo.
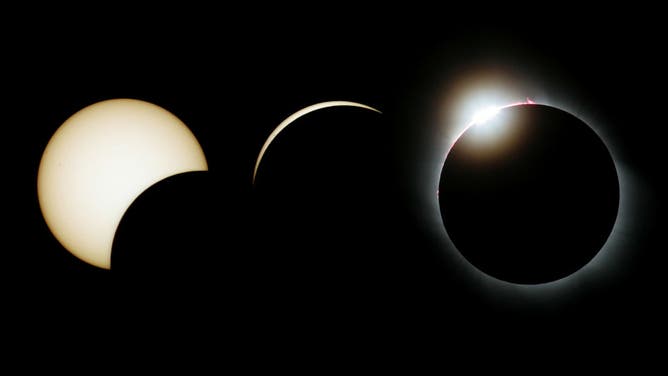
(258, 283)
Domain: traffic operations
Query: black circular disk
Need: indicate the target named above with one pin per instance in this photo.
(174, 233)
(529, 196)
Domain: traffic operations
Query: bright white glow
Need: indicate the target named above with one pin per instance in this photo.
(296, 116)
(99, 161)
(486, 132)
(484, 115)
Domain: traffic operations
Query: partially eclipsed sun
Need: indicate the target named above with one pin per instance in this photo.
(99, 161)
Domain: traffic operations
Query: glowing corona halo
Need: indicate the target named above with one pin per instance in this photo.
(506, 164)
(458, 100)
(99, 161)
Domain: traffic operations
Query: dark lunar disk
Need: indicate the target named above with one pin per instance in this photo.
(529, 196)
(176, 254)
(174, 234)
(321, 205)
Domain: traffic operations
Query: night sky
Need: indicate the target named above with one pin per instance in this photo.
(338, 239)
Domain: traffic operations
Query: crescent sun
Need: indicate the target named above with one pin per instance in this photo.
(296, 116)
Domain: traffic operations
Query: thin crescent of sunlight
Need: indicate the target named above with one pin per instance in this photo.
(296, 116)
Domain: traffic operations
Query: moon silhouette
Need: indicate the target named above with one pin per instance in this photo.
(529, 193)
(99, 161)
(296, 116)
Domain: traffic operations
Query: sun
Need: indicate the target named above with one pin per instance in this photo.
(99, 161)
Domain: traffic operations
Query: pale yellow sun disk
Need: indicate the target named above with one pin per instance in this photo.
(99, 161)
